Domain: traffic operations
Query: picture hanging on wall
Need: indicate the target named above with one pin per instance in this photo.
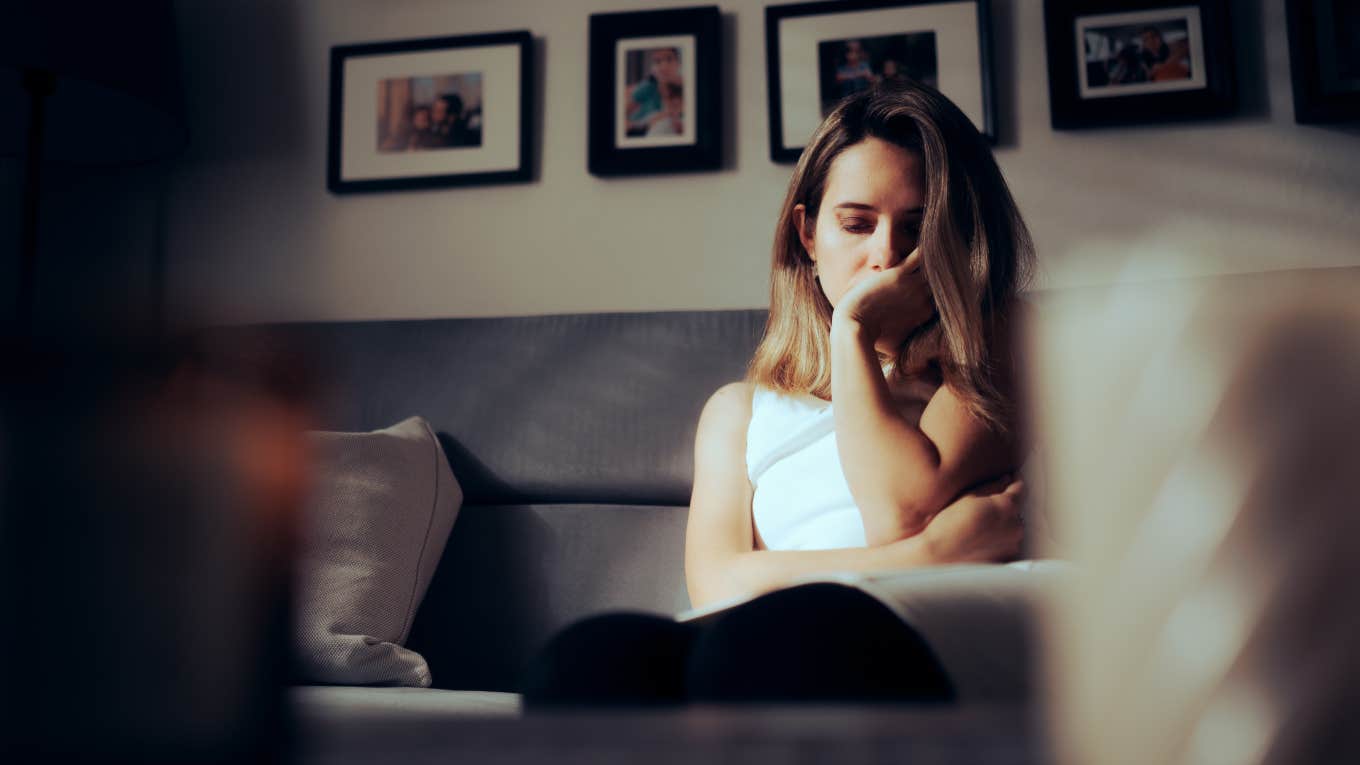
(655, 91)
(1324, 59)
(442, 111)
(818, 53)
(1123, 62)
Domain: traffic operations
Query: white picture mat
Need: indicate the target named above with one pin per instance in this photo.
(499, 67)
(1190, 13)
(956, 47)
(688, 70)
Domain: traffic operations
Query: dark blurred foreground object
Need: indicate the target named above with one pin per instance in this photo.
(98, 83)
(150, 497)
(1324, 59)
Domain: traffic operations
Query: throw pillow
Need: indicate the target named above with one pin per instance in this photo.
(381, 509)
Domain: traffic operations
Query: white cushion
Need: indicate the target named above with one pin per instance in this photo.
(381, 509)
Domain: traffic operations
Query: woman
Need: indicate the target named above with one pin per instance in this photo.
(897, 258)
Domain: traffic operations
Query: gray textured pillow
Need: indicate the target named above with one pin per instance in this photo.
(381, 509)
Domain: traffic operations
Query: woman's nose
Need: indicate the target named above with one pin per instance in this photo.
(886, 249)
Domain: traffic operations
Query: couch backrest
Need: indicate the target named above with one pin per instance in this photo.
(572, 437)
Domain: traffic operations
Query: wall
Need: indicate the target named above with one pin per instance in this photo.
(253, 234)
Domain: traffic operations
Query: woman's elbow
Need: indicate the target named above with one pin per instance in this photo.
(896, 520)
(712, 579)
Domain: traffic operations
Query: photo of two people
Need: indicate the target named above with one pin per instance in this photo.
(434, 112)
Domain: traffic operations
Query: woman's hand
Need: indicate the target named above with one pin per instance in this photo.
(887, 305)
(983, 526)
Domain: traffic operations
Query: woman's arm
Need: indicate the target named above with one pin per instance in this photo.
(721, 561)
(900, 473)
(720, 525)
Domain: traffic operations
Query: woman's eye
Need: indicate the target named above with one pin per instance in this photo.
(856, 225)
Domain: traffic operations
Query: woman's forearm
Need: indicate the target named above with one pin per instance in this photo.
(888, 463)
(757, 571)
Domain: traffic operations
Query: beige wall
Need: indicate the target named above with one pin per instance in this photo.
(253, 234)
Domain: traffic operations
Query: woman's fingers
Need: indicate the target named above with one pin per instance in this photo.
(1011, 502)
(1013, 506)
(997, 485)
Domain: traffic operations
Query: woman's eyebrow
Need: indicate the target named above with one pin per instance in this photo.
(871, 208)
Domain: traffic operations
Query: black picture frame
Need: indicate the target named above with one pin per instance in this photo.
(792, 31)
(369, 150)
(1324, 60)
(688, 140)
(1118, 83)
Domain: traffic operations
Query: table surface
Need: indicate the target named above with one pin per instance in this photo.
(698, 733)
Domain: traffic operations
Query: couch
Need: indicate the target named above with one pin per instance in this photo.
(572, 438)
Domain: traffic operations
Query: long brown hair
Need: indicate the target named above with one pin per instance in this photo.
(975, 250)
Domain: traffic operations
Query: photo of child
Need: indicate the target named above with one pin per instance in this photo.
(849, 66)
(671, 119)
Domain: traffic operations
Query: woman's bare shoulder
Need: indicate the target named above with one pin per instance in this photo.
(720, 443)
(729, 405)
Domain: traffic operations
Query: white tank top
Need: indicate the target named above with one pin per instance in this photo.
(978, 618)
(801, 499)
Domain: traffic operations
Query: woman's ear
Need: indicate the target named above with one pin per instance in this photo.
(800, 222)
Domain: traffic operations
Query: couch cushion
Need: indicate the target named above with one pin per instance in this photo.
(514, 574)
(572, 408)
(381, 508)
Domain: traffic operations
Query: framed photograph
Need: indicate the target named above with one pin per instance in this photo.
(1122, 62)
(654, 91)
(818, 53)
(1324, 59)
(440, 111)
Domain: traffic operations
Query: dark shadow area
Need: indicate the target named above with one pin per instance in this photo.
(243, 106)
(728, 84)
(539, 79)
(1249, 55)
(486, 611)
(1004, 65)
(480, 484)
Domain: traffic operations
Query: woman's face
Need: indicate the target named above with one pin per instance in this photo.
(665, 65)
(870, 216)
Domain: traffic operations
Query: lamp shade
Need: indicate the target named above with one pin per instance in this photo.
(117, 97)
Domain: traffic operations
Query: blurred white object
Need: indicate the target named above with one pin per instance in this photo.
(1203, 445)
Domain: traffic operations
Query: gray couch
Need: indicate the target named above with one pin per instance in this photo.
(572, 437)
